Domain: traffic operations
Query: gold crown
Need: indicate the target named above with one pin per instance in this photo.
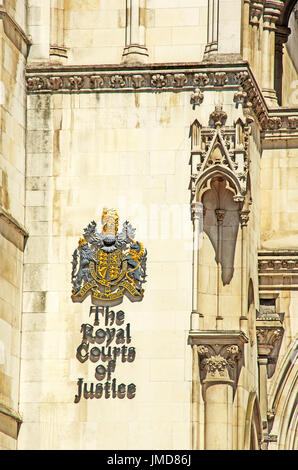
(82, 241)
(109, 220)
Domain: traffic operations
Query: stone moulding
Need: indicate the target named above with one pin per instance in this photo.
(278, 270)
(165, 77)
(14, 32)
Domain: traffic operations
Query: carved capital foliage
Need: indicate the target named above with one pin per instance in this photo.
(218, 361)
(269, 332)
(220, 354)
(268, 336)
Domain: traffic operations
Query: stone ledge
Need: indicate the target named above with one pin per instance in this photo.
(50, 78)
(217, 337)
(12, 230)
(10, 421)
(14, 32)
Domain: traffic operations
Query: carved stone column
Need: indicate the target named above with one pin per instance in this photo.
(281, 37)
(197, 218)
(269, 334)
(220, 214)
(255, 21)
(244, 218)
(271, 14)
(212, 27)
(135, 50)
(57, 48)
(220, 357)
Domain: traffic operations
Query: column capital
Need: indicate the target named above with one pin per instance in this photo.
(272, 9)
(255, 11)
(219, 353)
(269, 331)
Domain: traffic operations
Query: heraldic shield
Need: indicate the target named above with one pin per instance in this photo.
(108, 265)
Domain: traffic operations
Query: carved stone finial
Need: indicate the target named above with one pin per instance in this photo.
(240, 96)
(218, 116)
(196, 97)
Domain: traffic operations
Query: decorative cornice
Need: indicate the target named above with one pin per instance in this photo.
(46, 78)
(278, 270)
(14, 32)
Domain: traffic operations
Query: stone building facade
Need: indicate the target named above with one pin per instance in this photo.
(183, 116)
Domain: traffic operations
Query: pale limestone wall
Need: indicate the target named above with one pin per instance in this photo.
(279, 177)
(18, 10)
(94, 32)
(176, 30)
(84, 152)
(12, 201)
(290, 81)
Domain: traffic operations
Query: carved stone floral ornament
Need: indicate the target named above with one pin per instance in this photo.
(218, 360)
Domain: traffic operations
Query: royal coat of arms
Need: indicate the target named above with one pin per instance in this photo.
(108, 265)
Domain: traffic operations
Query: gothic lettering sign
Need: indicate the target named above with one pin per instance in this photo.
(108, 265)
(105, 343)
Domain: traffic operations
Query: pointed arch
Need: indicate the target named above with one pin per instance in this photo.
(284, 403)
(203, 181)
(253, 433)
